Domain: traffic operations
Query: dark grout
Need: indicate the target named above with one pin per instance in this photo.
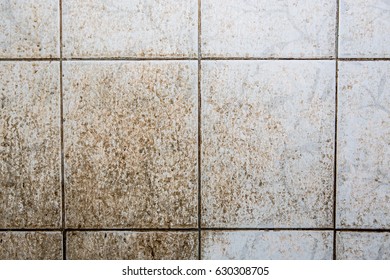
(335, 132)
(199, 132)
(194, 59)
(62, 144)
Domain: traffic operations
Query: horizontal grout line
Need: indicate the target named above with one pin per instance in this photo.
(267, 58)
(192, 59)
(129, 58)
(197, 229)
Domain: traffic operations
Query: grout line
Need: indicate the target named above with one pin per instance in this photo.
(193, 59)
(373, 230)
(335, 132)
(199, 132)
(62, 143)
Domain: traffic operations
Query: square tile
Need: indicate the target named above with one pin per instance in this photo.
(30, 245)
(125, 245)
(363, 246)
(267, 245)
(29, 29)
(130, 137)
(267, 143)
(30, 189)
(137, 28)
(262, 28)
(364, 28)
(363, 160)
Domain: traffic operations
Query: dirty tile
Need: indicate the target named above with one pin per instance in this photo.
(132, 245)
(262, 28)
(363, 161)
(130, 137)
(30, 245)
(138, 28)
(363, 246)
(364, 28)
(270, 245)
(267, 143)
(30, 190)
(29, 29)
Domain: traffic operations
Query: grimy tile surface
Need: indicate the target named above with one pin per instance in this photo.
(363, 166)
(364, 28)
(267, 143)
(29, 28)
(262, 28)
(133, 245)
(130, 137)
(30, 189)
(277, 245)
(363, 246)
(138, 28)
(30, 245)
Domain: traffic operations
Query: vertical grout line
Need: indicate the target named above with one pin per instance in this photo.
(62, 143)
(199, 134)
(335, 132)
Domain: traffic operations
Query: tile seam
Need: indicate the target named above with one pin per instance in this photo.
(335, 130)
(63, 229)
(199, 133)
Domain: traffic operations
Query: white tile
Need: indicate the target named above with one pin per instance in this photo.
(29, 29)
(363, 161)
(267, 245)
(263, 28)
(122, 28)
(267, 143)
(364, 28)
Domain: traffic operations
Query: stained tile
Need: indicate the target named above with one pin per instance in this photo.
(267, 143)
(130, 137)
(364, 28)
(30, 245)
(262, 28)
(133, 245)
(30, 190)
(29, 28)
(363, 161)
(139, 28)
(363, 246)
(270, 245)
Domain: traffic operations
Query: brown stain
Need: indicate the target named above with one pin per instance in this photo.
(133, 245)
(130, 145)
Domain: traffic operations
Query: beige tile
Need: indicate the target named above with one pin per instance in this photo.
(263, 28)
(29, 28)
(130, 144)
(363, 161)
(267, 143)
(138, 28)
(30, 190)
(30, 246)
(133, 245)
(363, 246)
(267, 245)
(364, 28)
